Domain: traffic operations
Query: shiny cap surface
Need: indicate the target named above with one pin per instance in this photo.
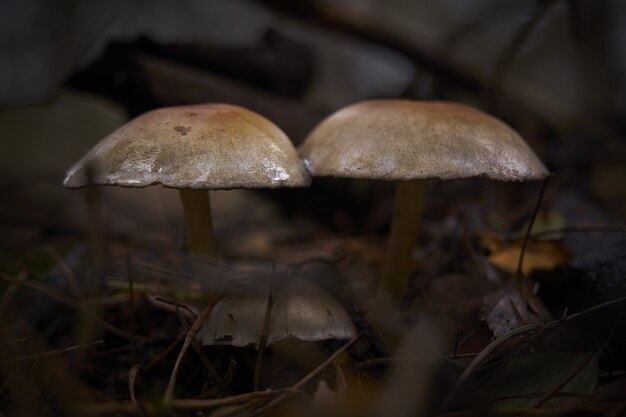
(208, 146)
(405, 140)
(300, 310)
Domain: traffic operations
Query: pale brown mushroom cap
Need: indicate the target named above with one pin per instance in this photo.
(405, 140)
(300, 310)
(207, 146)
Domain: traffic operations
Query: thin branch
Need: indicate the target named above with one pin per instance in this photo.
(68, 302)
(51, 353)
(614, 228)
(519, 272)
(507, 58)
(555, 390)
(196, 345)
(165, 352)
(104, 408)
(191, 334)
(308, 377)
(66, 271)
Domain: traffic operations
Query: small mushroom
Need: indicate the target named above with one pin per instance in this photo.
(408, 142)
(300, 310)
(194, 148)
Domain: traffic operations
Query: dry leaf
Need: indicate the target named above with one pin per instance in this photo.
(540, 254)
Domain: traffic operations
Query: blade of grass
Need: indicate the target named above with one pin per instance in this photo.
(191, 334)
(196, 345)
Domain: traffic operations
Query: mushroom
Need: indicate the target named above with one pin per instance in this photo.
(408, 142)
(212, 147)
(299, 310)
(194, 148)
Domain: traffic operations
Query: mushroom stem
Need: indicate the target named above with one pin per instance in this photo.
(405, 225)
(198, 223)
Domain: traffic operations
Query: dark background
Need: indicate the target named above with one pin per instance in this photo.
(72, 71)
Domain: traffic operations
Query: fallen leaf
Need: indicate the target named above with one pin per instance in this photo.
(540, 255)
(513, 306)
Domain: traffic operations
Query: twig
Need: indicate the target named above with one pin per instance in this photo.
(109, 407)
(190, 290)
(519, 272)
(195, 343)
(177, 306)
(507, 58)
(563, 411)
(51, 353)
(66, 301)
(12, 342)
(616, 228)
(533, 329)
(169, 392)
(594, 308)
(165, 352)
(551, 327)
(565, 380)
(67, 272)
(222, 384)
(308, 377)
(162, 271)
(191, 404)
(492, 347)
(539, 395)
(10, 291)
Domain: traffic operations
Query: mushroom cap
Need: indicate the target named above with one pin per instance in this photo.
(300, 310)
(207, 146)
(406, 140)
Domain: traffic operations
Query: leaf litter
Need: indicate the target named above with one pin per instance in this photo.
(448, 343)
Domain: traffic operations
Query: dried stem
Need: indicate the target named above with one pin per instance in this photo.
(51, 353)
(191, 334)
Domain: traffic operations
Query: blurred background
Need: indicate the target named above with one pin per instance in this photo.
(72, 71)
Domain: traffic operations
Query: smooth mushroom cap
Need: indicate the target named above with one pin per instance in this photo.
(300, 310)
(207, 146)
(406, 140)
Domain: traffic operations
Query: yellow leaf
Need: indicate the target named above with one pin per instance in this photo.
(540, 255)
